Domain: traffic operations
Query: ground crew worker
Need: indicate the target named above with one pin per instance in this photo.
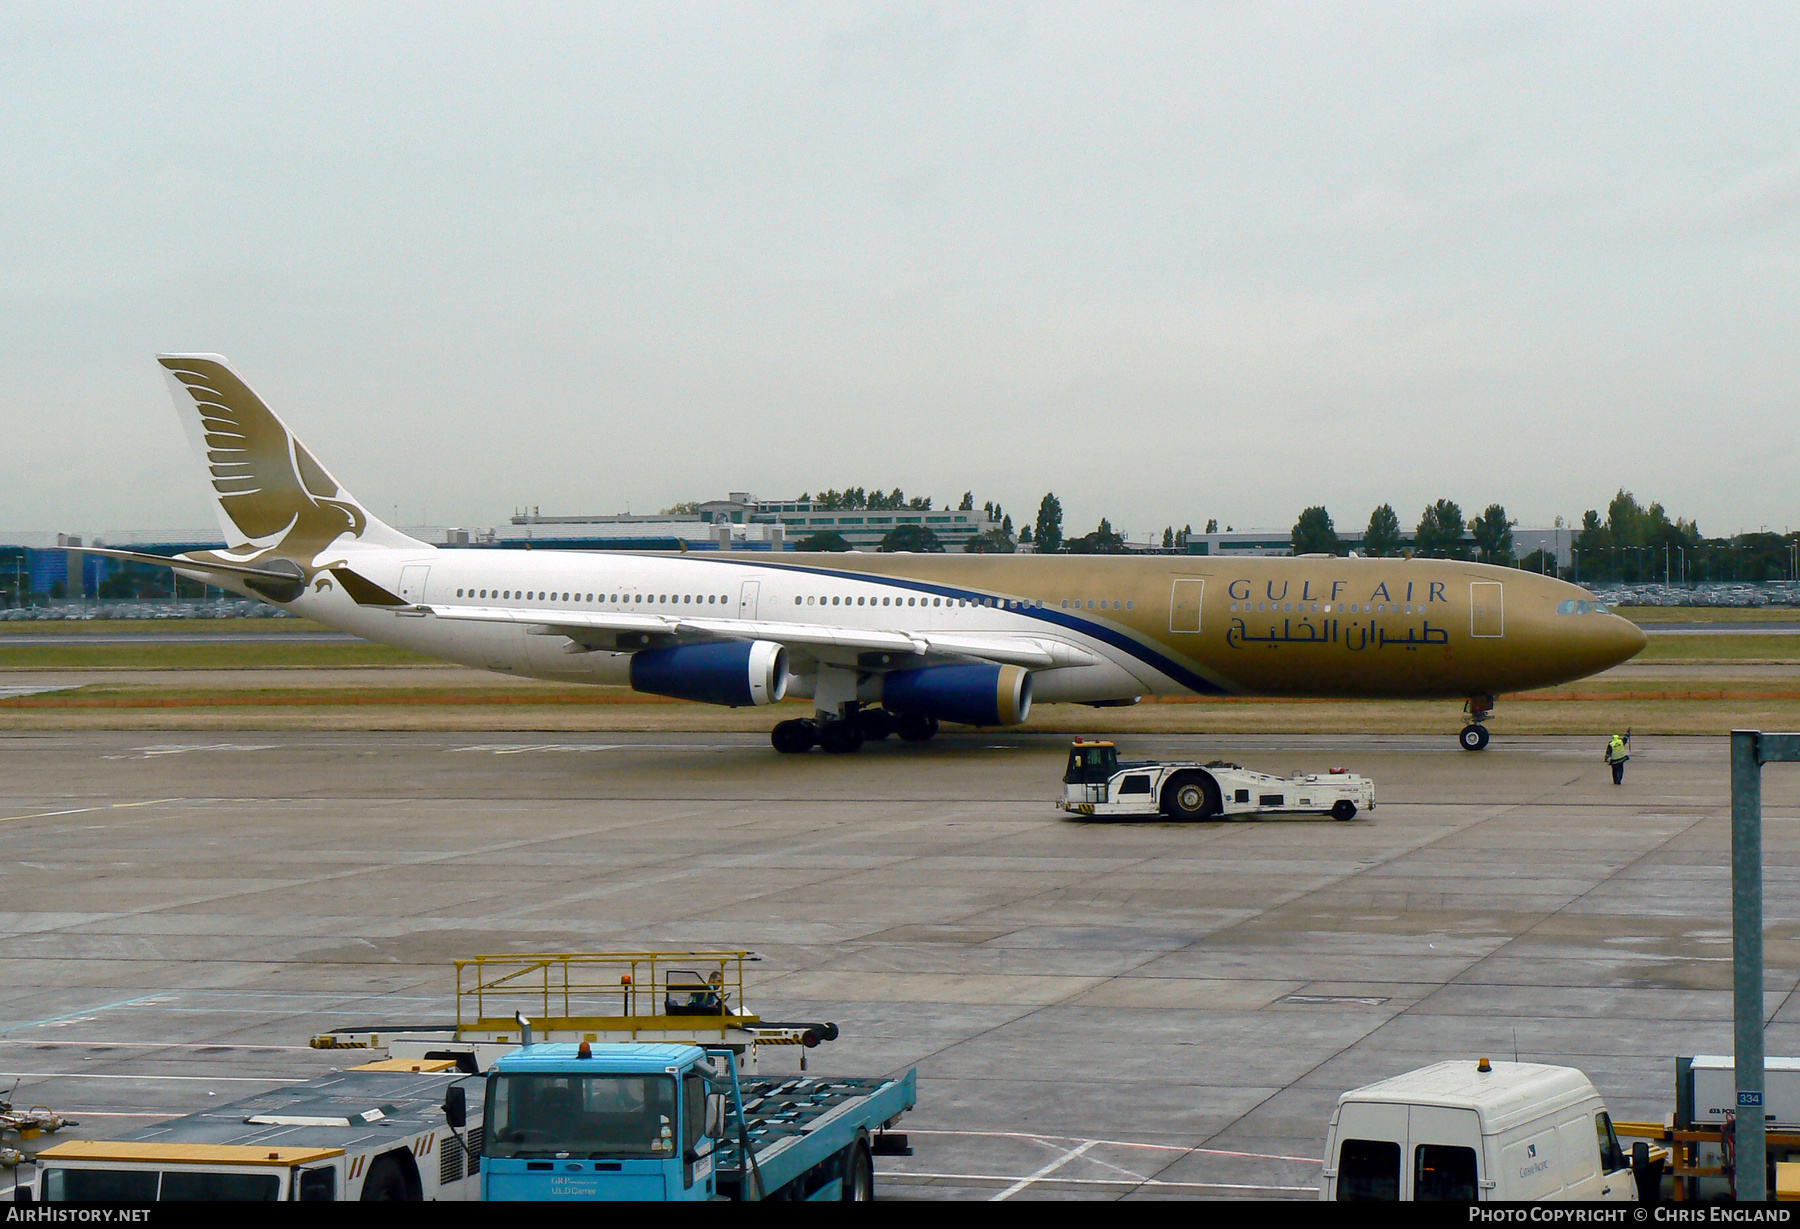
(1617, 754)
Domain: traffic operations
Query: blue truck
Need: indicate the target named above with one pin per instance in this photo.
(677, 1121)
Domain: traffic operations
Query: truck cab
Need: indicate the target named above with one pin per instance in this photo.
(603, 1122)
(1466, 1131)
(1093, 763)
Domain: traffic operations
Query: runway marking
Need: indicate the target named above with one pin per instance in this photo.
(198, 1079)
(1119, 1143)
(159, 749)
(1333, 1000)
(118, 1114)
(1051, 1168)
(900, 1175)
(151, 1045)
(523, 748)
(84, 1014)
(111, 806)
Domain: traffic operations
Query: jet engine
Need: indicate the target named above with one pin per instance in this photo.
(972, 695)
(736, 673)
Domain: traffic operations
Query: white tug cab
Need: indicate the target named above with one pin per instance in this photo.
(1097, 783)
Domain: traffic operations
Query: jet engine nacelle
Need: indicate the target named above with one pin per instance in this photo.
(736, 673)
(972, 695)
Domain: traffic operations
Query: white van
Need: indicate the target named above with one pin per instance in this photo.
(1465, 1131)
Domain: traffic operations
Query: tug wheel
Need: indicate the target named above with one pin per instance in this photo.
(1191, 796)
(1343, 808)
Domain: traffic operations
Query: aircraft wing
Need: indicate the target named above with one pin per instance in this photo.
(603, 629)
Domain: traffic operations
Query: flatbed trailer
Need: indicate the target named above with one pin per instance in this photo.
(678, 1123)
(795, 1125)
(1100, 785)
(374, 1132)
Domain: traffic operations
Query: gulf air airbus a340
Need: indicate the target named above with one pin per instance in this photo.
(882, 643)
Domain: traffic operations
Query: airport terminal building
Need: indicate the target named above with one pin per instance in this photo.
(741, 521)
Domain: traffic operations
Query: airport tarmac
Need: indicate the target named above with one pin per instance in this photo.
(1096, 1010)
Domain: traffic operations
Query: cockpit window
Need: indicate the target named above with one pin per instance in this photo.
(1571, 606)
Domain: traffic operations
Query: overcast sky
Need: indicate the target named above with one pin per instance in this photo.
(1170, 262)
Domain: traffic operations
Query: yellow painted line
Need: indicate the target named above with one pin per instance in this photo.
(111, 806)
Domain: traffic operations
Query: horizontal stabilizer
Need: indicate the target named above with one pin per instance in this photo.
(185, 564)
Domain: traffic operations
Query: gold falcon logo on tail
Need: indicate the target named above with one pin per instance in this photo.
(271, 496)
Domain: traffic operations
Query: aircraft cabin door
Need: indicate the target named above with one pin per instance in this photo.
(747, 599)
(1184, 605)
(412, 582)
(1487, 609)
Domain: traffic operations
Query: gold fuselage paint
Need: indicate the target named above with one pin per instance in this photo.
(1325, 627)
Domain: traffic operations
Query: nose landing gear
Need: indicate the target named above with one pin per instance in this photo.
(1474, 736)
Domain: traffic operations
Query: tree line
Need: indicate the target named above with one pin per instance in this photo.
(1442, 533)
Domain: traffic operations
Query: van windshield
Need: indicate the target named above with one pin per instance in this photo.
(537, 1114)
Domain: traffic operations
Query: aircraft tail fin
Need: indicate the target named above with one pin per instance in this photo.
(269, 492)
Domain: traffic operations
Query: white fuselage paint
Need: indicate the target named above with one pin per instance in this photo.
(669, 586)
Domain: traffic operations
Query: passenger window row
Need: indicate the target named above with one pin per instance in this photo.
(1075, 604)
(655, 599)
(1001, 603)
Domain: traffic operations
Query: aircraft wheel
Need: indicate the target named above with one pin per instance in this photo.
(1474, 738)
(792, 737)
(914, 728)
(876, 723)
(1190, 796)
(1343, 808)
(840, 737)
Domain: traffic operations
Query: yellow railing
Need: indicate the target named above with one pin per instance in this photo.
(568, 984)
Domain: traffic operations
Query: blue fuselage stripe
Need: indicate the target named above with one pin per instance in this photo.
(1059, 618)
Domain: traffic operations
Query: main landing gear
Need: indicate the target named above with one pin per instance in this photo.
(845, 735)
(1474, 736)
